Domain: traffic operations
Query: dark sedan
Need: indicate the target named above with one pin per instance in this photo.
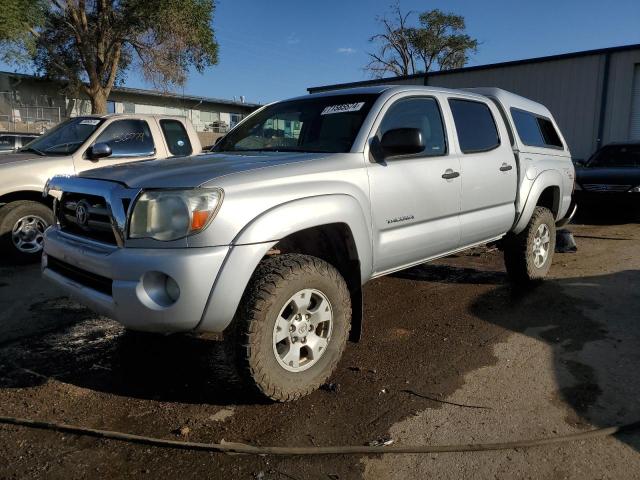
(611, 175)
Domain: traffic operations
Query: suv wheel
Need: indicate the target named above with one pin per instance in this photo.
(291, 326)
(528, 255)
(22, 226)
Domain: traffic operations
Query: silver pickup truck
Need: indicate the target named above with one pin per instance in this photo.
(80, 143)
(270, 238)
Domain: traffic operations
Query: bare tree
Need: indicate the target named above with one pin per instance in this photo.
(395, 53)
(439, 41)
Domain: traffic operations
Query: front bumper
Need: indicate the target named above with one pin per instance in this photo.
(122, 283)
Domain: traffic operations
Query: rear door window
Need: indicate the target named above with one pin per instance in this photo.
(128, 138)
(475, 125)
(176, 137)
(534, 130)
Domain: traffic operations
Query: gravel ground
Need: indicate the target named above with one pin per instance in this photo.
(560, 358)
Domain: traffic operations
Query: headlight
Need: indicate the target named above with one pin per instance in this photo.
(172, 214)
(635, 189)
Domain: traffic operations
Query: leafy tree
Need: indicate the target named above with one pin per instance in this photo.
(438, 42)
(441, 40)
(91, 44)
(19, 20)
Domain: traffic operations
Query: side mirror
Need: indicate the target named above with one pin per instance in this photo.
(99, 150)
(402, 141)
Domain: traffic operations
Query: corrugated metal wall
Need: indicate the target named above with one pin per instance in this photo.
(617, 123)
(634, 127)
(570, 88)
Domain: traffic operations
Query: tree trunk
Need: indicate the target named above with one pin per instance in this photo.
(98, 101)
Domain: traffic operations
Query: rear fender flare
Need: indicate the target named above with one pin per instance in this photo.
(548, 178)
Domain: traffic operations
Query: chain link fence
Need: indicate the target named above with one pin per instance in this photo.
(28, 118)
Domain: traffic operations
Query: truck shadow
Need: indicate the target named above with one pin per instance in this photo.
(452, 274)
(99, 355)
(590, 324)
(605, 214)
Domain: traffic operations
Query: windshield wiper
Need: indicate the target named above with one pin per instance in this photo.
(32, 149)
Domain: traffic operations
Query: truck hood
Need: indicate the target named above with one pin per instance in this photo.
(18, 157)
(189, 172)
(610, 176)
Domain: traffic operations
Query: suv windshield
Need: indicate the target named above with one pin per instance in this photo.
(616, 156)
(324, 124)
(65, 138)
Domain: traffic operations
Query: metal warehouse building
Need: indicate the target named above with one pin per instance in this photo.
(594, 95)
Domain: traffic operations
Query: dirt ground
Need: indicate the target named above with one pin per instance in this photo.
(560, 358)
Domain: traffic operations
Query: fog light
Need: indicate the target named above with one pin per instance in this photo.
(158, 290)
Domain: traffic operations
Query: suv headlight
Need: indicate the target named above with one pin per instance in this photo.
(173, 214)
(635, 189)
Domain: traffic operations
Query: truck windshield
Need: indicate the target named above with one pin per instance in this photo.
(322, 124)
(65, 138)
(620, 156)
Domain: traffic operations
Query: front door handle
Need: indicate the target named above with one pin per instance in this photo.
(449, 174)
(505, 167)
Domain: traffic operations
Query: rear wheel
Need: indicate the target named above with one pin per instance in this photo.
(528, 255)
(22, 226)
(291, 326)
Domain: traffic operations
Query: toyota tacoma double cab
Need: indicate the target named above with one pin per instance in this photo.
(78, 144)
(270, 238)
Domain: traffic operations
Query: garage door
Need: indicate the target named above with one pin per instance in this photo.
(634, 129)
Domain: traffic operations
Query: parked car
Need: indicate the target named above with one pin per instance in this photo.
(610, 176)
(79, 144)
(12, 141)
(270, 238)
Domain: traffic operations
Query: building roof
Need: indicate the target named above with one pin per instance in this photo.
(511, 63)
(391, 88)
(178, 96)
(153, 93)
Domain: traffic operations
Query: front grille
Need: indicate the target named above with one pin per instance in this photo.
(86, 216)
(83, 277)
(605, 187)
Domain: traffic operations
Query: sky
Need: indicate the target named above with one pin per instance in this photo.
(275, 49)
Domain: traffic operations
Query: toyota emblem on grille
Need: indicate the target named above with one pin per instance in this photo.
(82, 213)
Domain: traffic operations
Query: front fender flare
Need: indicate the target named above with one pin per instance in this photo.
(548, 178)
(263, 232)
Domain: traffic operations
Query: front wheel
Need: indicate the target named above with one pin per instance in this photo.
(528, 255)
(22, 226)
(291, 326)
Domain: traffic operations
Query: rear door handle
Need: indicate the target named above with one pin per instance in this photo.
(449, 174)
(505, 167)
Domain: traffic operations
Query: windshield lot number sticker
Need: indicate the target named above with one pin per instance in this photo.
(90, 122)
(345, 107)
